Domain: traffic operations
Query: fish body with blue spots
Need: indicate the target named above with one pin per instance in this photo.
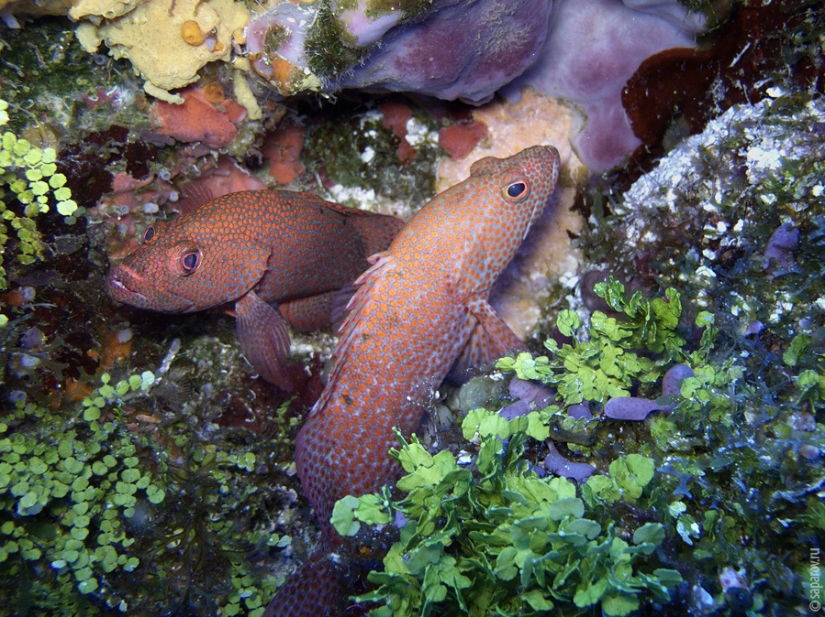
(279, 257)
(419, 310)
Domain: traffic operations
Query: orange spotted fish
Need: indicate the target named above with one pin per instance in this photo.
(280, 256)
(421, 308)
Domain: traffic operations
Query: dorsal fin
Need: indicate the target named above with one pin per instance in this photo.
(339, 308)
(381, 264)
(192, 196)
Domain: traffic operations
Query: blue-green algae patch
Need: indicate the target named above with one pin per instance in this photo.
(58, 90)
(361, 159)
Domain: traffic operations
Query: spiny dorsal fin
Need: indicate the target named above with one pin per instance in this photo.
(382, 263)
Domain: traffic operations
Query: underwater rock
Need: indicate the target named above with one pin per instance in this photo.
(780, 247)
(448, 48)
(560, 466)
(479, 391)
(593, 47)
(681, 213)
(36, 8)
(275, 45)
(548, 253)
(678, 90)
(582, 52)
(735, 586)
(675, 92)
(460, 50)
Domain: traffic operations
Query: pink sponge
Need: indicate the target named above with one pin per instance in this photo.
(593, 47)
(581, 51)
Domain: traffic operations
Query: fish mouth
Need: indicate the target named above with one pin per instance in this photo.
(118, 286)
(120, 292)
(124, 283)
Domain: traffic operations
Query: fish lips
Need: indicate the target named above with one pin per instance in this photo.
(126, 285)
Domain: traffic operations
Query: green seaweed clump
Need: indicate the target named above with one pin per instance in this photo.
(360, 153)
(30, 175)
(100, 514)
(505, 541)
(327, 53)
(331, 49)
(67, 492)
(619, 352)
(739, 451)
(61, 91)
(725, 478)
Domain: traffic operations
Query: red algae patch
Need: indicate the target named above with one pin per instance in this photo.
(282, 149)
(198, 119)
(459, 139)
(395, 117)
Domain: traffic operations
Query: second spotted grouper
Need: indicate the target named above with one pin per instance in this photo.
(279, 256)
(421, 308)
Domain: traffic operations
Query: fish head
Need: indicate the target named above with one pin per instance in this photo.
(510, 195)
(188, 265)
(524, 183)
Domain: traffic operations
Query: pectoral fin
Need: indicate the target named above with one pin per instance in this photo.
(264, 339)
(491, 339)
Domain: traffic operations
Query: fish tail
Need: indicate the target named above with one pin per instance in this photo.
(319, 588)
(377, 231)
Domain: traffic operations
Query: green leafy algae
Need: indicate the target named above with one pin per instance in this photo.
(330, 49)
(113, 520)
(615, 355)
(67, 491)
(30, 176)
(56, 87)
(504, 541)
(690, 489)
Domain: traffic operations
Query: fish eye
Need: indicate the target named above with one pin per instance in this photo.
(148, 234)
(190, 261)
(515, 190)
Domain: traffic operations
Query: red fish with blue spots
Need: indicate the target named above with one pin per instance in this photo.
(279, 256)
(419, 310)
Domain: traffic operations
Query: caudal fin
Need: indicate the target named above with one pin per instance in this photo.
(320, 588)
